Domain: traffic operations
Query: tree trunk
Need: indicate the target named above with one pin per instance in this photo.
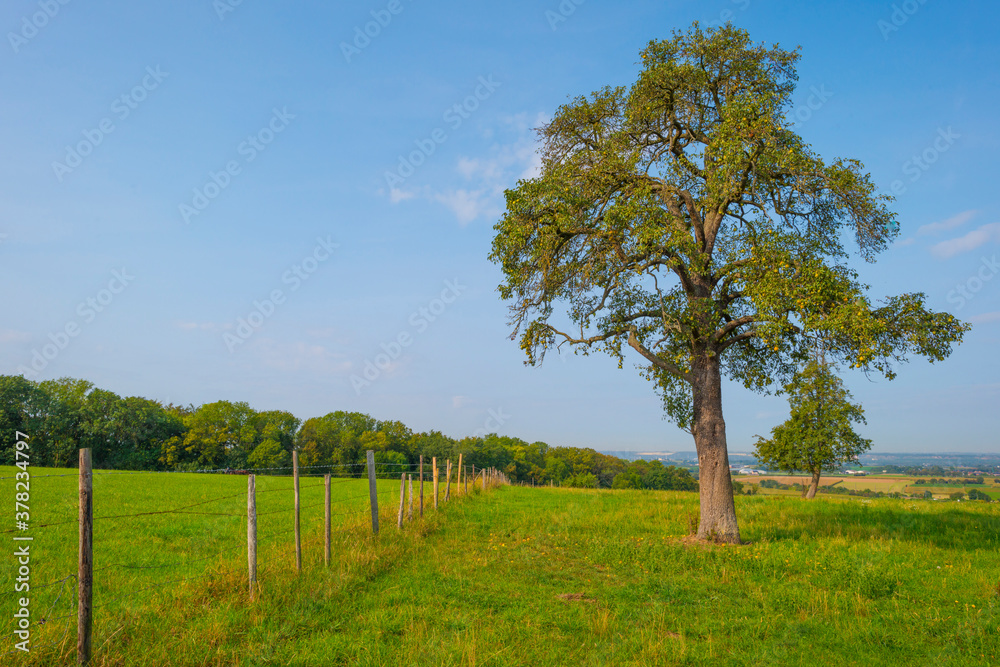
(715, 486)
(813, 486)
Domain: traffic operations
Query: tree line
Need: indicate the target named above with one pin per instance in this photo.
(133, 433)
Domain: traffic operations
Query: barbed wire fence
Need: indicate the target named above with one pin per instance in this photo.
(61, 606)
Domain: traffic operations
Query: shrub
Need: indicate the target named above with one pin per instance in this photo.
(976, 494)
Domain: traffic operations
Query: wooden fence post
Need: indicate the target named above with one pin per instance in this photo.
(252, 533)
(447, 482)
(421, 485)
(466, 478)
(373, 491)
(326, 519)
(458, 477)
(473, 476)
(402, 496)
(85, 573)
(409, 514)
(434, 465)
(298, 535)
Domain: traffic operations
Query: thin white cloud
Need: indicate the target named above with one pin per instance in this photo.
(299, 356)
(971, 241)
(944, 225)
(985, 318)
(458, 402)
(487, 176)
(467, 205)
(12, 336)
(201, 326)
(396, 195)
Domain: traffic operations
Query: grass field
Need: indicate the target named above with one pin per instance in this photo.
(523, 576)
(884, 483)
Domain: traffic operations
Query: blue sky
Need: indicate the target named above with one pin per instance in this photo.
(205, 200)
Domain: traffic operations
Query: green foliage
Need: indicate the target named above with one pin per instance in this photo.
(976, 494)
(19, 412)
(61, 416)
(684, 217)
(138, 434)
(269, 455)
(584, 480)
(819, 434)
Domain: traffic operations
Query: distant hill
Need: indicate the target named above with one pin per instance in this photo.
(873, 459)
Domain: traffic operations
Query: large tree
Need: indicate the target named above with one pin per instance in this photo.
(684, 218)
(819, 433)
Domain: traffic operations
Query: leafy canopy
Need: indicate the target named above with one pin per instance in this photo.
(684, 217)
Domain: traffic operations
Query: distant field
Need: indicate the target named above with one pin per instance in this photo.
(884, 483)
(531, 576)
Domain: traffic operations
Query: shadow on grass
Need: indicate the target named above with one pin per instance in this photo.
(957, 527)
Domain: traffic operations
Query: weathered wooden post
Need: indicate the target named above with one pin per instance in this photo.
(447, 481)
(298, 536)
(326, 519)
(409, 514)
(373, 491)
(434, 465)
(252, 533)
(85, 571)
(421, 485)
(458, 477)
(402, 496)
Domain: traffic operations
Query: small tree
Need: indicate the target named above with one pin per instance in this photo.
(819, 434)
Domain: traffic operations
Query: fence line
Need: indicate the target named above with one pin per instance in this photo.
(84, 607)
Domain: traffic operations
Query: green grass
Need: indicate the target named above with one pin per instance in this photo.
(524, 576)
